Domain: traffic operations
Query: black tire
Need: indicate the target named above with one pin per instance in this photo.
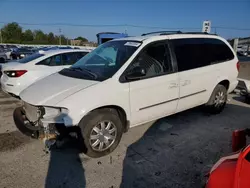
(25, 128)
(13, 57)
(2, 60)
(91, 120)
(247, 99)
(211, 105)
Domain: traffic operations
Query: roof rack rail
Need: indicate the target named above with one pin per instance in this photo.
(162, 33)
(199, 33)
(176, 32)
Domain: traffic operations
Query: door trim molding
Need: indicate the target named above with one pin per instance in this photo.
(153, 105)
(193, 94)
(158, 104)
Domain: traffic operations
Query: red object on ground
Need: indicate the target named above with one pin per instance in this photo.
(232, 171)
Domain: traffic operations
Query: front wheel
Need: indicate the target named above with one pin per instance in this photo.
(218, 99)
(247, 99)
(101, 132)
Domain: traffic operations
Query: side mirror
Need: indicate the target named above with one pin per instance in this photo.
(136, 73)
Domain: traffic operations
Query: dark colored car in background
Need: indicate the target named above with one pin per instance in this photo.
(20, 53)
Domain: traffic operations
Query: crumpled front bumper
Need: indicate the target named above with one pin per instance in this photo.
(25, 126)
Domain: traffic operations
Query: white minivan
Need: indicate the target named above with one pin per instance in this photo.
(130, 81)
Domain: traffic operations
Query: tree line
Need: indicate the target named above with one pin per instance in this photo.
(14, 33)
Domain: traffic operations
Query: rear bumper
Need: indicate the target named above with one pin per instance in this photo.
(232, 86)
(11, 94)
(12, 90)
(24, 126)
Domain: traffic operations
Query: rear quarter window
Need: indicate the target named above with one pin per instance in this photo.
(198, 52)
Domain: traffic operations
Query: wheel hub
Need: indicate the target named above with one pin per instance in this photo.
(220, 99)
(103, 135)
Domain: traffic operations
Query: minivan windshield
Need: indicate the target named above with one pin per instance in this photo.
(103, 62)
(30, 58)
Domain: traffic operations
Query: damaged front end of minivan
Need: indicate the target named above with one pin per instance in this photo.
(41, 122)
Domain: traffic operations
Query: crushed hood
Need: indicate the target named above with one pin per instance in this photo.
(53, 89)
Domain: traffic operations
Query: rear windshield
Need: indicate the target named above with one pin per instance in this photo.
(30, 58)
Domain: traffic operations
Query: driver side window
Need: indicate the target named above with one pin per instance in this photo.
(154, 60)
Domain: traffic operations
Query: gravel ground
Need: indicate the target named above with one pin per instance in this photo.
(175, 152)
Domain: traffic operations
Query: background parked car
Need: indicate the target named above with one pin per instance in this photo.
(20, 53)
(3, 57)
(22, 73)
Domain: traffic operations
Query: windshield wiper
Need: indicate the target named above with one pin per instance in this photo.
(94, 75)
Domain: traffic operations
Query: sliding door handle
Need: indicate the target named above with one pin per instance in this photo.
(173, 85)
(186, 82)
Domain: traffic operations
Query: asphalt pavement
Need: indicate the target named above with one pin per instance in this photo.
(176, 151)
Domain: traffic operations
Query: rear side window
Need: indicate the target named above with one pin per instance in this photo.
(63, 59)
(198, 52)
(79, 55)
(30, 58)
(72, 57)
(68, 58)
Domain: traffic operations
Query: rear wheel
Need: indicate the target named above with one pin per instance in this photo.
(218, 99)
(101, 132)
(13, 57)
(2, 60)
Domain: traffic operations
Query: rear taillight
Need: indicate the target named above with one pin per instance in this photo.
(238, 66)
(15, 73)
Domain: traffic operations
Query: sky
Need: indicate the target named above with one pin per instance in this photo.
(88, 17)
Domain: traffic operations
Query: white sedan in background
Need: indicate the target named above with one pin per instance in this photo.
(16, 76)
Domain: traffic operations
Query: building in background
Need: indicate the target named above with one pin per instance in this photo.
(74, 42)
(106, 36)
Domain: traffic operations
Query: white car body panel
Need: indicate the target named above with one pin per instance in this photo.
(173, 92)
(8, 54)
(145, 107)
(244, 75)
(33, 74)
(52, 95)
(196, 86)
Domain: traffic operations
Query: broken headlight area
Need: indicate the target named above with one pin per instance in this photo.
(32, 113)
(52, 114)
(44, 113)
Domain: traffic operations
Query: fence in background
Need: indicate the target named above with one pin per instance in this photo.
(49, 45)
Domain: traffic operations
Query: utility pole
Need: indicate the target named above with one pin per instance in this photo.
(1, 38)
(60, 40)
(235, 44)
(126, 29)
